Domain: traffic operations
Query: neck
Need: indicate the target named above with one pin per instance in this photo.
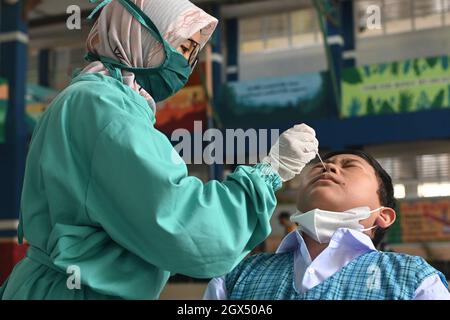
(314, 248)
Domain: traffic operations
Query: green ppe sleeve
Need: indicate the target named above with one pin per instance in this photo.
(141, 195)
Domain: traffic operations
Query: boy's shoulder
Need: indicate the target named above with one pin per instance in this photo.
(259, 262)
(398, 257)
(401, 265)
(394, 261)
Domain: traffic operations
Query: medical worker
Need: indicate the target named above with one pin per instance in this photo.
(108, 210)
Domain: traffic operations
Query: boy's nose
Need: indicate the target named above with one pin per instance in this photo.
(330, 167)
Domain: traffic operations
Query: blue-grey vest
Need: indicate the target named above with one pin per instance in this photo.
(371, 276)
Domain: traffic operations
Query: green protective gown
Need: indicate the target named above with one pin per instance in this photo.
(103, 193)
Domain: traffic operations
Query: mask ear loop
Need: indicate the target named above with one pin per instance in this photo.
(380, 208)
(368, 229)
(375, 226)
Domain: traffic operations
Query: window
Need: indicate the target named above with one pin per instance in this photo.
(434, 190)
(428, 14)
(33, 67)
(398, 14)
(298, 28)
(419, 176)
(402, 15)
(446, 9)
(305, 28)
(399, 191)
(277, 31)
(433, 166)
(251, 35)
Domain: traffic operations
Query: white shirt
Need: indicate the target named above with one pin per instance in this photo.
(345, 245)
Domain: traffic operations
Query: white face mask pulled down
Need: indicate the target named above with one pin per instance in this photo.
(320, 225)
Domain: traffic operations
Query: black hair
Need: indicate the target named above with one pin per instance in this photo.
(385, 189)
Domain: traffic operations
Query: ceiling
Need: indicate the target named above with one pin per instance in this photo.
(49, 12)
(49, 8)
(394, 8)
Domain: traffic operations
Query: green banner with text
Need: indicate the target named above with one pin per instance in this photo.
(398, 87)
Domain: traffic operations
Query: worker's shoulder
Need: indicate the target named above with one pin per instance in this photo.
(97, 86)
(94, 94)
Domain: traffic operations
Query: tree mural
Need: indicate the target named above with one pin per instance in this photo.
(407, 86)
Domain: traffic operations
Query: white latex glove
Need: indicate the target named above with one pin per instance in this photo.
(294, 149)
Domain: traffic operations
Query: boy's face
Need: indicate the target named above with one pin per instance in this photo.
(349, 182)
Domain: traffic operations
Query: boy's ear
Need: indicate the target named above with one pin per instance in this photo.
(386, 218)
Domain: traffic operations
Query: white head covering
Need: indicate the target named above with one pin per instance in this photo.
(118, 35)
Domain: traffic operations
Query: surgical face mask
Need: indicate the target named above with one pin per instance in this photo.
(320, 225)
(160, 82)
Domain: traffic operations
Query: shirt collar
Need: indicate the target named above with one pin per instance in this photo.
(343, 237)
(290, 242)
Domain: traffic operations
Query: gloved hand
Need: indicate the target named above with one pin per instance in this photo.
(294, 149)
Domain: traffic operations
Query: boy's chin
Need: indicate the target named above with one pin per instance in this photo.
(325, 200)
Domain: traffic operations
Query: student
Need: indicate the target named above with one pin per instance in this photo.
(333, 255)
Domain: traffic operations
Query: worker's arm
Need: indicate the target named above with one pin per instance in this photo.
(146, 202)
